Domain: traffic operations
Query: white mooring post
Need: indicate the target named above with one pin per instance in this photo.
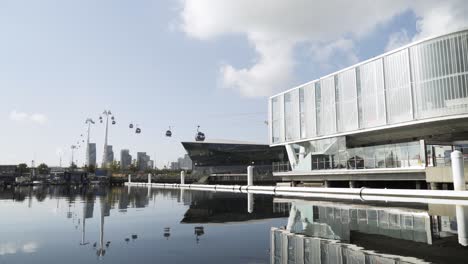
(250, 203)
(182, 177)
(149, 178)
(458, 171)
(129, 178)
(462, 224)
(250, 173)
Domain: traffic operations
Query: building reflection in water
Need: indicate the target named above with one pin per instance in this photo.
(202, 207)
(325, 232)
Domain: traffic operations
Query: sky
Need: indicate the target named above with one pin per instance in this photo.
(179, 63)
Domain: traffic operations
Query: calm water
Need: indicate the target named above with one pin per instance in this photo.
(137, 225)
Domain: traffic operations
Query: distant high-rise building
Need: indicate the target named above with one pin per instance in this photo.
(150, 164)
(175, 165)
(91, 155)
(125, 159)
(142, 161)
(185, 163)
(110, 154)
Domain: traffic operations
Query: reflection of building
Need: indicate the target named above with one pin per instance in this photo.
(91, 155)
(381, 116)
(125, 159)
(208, 207)
(326, 232)
(142, 161)
(291, 248)
(333, 221)
(224, 156)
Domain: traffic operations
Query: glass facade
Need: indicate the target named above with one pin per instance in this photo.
(426, 80)
(331, 153)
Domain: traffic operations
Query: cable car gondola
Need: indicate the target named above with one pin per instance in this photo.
(137, 130)
(200, 136)
(113, 122)
(131, 125)
(169, 132)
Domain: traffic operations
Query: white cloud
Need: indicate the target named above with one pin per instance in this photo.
(275, 28)
(323, 52)
(436, 17)
(433, 18)
(398, 39)
(18, 116)
(38, 118)
(26, 117)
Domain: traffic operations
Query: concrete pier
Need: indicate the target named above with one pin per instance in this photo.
(435, 186)
(418, 185)
(182, 177)
(462, 224)
(458, 171)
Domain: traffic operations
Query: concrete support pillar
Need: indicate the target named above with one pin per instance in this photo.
(129, 178)
(435, 186)
(462, 224)
(418, 185)
(458, 171)
(182, 177)
(250, 174)
(326, 184)
(250, 202)
(352, 184)
(149, 178)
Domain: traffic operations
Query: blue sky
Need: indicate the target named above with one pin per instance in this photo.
(178, 63)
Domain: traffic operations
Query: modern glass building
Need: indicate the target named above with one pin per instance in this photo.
(232, 157)
(404, 110)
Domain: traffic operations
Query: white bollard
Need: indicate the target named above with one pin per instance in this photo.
(129, 178)
(149, 178)
(462, 224)
(458, 173)
(250, 173)
(250, 203)
(182, 177)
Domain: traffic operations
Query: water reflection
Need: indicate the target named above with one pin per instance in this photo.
(141, 225)
(91, 224)
(325, 232)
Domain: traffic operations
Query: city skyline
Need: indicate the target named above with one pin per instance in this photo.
(179, 64)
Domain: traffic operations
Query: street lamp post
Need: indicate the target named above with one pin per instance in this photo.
(88, 121)
(107, 113)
